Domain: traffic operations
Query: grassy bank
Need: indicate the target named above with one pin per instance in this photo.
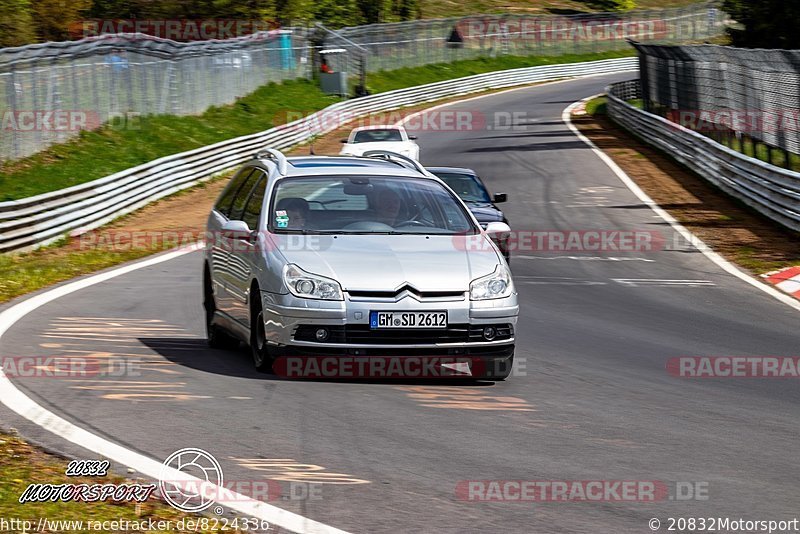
(112, 149)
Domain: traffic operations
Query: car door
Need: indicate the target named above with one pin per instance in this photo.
(244, 248)
(225, 247)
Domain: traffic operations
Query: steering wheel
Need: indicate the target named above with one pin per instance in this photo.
(411, 222)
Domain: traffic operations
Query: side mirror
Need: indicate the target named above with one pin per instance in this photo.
(497, 227)
(344, 140)
(412, 137)
(500, 197)
(236, 230)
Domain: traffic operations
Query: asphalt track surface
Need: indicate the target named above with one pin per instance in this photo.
(593, 402)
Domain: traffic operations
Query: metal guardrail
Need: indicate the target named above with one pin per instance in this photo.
(45, 218)
(771, 190)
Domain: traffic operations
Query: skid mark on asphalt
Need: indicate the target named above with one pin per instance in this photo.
(125, 374)
(289, 470)
(464, 399)
(591, 197)
(127, 390)
(111, 330)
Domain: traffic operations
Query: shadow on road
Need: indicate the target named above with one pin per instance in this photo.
(196, 354)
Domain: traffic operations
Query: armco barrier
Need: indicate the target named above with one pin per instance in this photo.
(45, 218)
(771, 190)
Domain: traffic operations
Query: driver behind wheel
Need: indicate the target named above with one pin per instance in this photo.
(388, 207)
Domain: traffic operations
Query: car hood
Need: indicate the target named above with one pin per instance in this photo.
(388, 262)
(358, 149)
(485, 213)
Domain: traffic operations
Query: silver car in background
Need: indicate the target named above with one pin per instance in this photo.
(367, 256)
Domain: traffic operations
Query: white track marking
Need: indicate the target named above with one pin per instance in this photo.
(721, 262)
(18, 402)
(584, 258)
(656, 282)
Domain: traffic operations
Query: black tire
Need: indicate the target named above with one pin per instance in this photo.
(216, 337)
(262, 356)
(499, 371)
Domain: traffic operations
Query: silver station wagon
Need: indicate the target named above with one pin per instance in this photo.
(343, 256)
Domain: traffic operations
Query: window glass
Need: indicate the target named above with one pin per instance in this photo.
(224, 203)
(466, 186)
(252, 209)
(242, 195)
(377, 135)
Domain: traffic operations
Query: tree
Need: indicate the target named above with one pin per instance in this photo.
(16, 23)
(613, 5)
(56, 18)
(338, 13)
(764, 24)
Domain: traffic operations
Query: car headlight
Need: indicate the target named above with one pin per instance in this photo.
(493, 286)
(310, 286)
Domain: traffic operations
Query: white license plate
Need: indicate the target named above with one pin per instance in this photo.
(429, 319)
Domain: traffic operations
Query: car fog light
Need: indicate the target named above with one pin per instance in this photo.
(489, 333)
(321, 334)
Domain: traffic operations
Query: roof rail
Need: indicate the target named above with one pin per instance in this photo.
(276, 156)
(389, 155)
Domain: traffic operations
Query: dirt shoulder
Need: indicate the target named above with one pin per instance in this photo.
(732, 229)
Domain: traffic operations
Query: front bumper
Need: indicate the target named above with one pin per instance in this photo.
(288, 321)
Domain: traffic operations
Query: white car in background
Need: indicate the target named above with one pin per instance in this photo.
(391, 138)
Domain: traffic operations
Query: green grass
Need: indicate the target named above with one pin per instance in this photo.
(596, 106)
(112, 149)
(759, 151)
(448, 8)
(108, 150)
(397, 79)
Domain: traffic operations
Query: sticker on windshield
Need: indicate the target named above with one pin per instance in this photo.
(281, 219)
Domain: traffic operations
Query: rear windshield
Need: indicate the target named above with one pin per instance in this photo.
(372, 136)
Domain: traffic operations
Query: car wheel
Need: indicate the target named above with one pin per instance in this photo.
(216, 337)
(262, 357)
(499, 371)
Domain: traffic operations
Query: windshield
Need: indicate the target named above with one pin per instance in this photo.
(466, 186)
(366, 205)
(377, 135)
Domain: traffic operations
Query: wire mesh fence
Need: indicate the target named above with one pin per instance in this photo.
(50, 92)
(738, 96)
(416, 43)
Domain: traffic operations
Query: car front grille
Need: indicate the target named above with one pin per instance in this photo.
(359, 334)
